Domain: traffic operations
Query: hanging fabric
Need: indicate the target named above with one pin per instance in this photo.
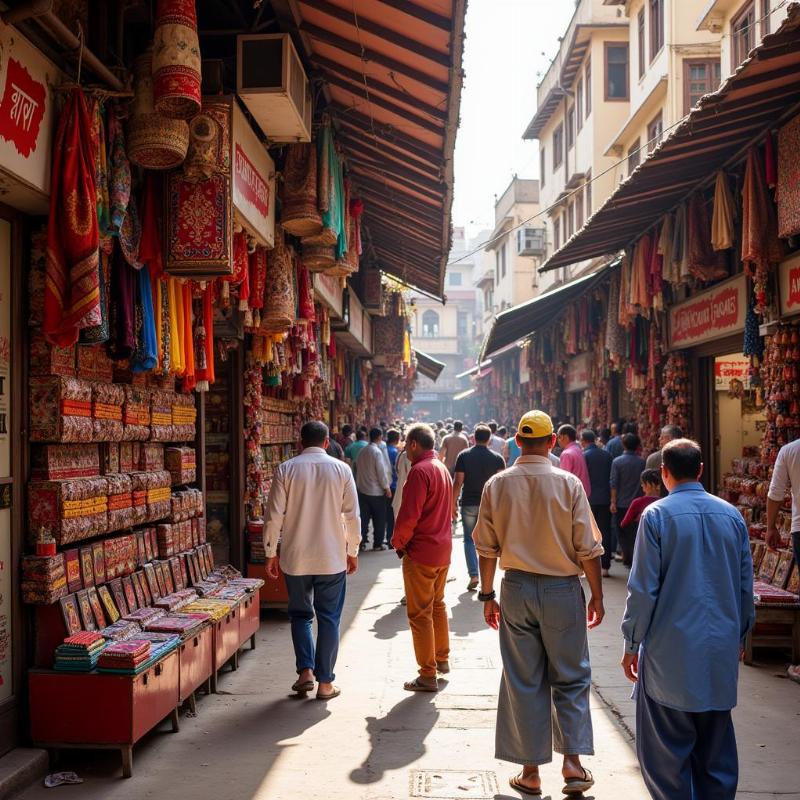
(72, 288)
(204, 341)
(724, 216)
(680, 245)
(123, 308)
(664, 248)
(770, 160)
(188, 336)
(101, 174)
(703, 262)
(760, 244)
(787, 192)
(177, 363)
(120, 171)
(145, 356)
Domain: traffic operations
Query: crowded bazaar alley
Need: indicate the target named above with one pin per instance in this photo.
(400, 399)
(256, 739)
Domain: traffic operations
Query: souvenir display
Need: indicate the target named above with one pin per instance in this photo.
(52, 462)
(87, 615)
(176, 60)
(120, 630)
(44, 579)
(111, 611)
(130, 594)
(97, 607)
(79, 652)
(71, 614)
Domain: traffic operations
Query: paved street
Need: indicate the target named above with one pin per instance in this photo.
(377, 742)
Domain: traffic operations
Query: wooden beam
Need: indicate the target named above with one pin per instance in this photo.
(387, 207)
(390, 193)
(362, 127)
(367, 146)
(359, 90)
(328, 64)
(423, 14)
(366, 54)
(406, 178)
(382, 32)
(380, 224)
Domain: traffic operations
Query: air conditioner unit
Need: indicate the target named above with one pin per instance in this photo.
(271, 81)
(530, 242)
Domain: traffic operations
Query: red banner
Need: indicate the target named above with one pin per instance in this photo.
(22, 108)
(712, 315)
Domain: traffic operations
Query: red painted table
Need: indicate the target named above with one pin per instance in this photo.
(97, 710)
(196, 665)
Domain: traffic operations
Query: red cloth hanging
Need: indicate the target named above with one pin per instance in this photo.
(258, 276)
(150, 250)
(72, 287)
(305, 299)
(189, 377)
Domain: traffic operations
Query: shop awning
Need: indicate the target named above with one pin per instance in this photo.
(762, 92)
(523, 320)
(391, 73)
(464, 395)
(428, 365)
(473, 371)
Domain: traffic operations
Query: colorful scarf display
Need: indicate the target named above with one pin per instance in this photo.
(72, 288)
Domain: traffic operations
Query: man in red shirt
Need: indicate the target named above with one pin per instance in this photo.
(423, 539)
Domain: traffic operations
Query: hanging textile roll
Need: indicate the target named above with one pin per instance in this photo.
(101, 175)
(241, 269)
(722, 220)
(177, 363)
(166, 328)
(72, 288)
(176, 59)
(760, 244)
(305, 294)
(257, 266)
(145, 356)
(787, 193)
(119, 172)
(299, 212)
(204, 340)
(188, 336)
(703, 262)
(99, 334)
(279, 295)
(155, 141)
(680, 245)
(668, 271)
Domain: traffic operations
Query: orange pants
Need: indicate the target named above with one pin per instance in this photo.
(427, 614)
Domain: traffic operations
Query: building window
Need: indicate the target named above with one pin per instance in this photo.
(579, 103)
(588, 79)
(463, 323)
(699, 78)
(556, 233)
(588, 195)
(455, 278)
(633, 156)
(558, 146)
(766, 21)
(654, 131)
(656, 27)
(579, 210)
(541, 165)
(616, 80)
(742, 34)
(570, 220)
(503, 261)
(570, 127)
(430, 324)
(640, 40)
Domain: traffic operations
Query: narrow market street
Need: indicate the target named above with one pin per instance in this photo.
(377, 742)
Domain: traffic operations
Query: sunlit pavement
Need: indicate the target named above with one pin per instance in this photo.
(377, 742)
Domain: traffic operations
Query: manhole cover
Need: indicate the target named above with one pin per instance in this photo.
(471, 661)
(454, 784)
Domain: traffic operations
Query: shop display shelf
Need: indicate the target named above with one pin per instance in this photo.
(196, 665)
(94, 710)
(777, 626)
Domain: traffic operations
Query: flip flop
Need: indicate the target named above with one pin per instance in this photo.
(522, 789)
(301, 687)
(579, 785)
(417, 686)
(335, 693)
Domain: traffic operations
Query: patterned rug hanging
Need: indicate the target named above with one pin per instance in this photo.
(299, 213)
(176, 59)
(279, 295)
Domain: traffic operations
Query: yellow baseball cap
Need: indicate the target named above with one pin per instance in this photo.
(534, 425)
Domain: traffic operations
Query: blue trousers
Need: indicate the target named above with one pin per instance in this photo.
(685, 755)
(323, 596)
(469, 519)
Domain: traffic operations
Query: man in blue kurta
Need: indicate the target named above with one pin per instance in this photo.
(690, 605)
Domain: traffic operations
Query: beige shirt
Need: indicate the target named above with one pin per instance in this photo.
(452, 444)
(313, 511)
(536, 518)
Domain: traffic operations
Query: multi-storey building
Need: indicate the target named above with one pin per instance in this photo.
(582, 101)
(742, 25)
(672, 64)
(447, 332)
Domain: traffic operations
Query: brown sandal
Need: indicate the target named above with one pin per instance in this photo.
(418, 686)
(515, 784)
(579, 785)
(335, 693)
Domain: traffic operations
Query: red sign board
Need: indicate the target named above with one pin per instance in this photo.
(714, 314)
(789, 274)
(22, 108)
(248, 182)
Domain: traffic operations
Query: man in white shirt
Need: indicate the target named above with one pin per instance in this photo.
(313, 511)
(785, 478)
(373, 479)
(497, 442)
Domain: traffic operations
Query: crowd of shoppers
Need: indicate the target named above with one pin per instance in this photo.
(547, 520)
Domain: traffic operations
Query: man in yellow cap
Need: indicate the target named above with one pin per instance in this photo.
(536, 519)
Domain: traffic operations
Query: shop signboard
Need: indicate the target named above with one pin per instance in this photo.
(358, 335)
(578, 373)
(253, 180)
(789, 277)
(713, 314)
(26, 122)
(731, 368)
(329, 290)
(524, 368)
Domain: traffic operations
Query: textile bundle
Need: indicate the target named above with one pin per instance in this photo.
(703, 262)
(722, 234)
(787, 192)
(279, 296)
(176, 59)
(72, 288)
(299, 213)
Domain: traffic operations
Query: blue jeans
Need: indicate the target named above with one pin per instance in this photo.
(469, 519)
(322, 595)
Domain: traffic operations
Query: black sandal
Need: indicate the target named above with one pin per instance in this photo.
(302, 687)
(515, 784)
(579, 785)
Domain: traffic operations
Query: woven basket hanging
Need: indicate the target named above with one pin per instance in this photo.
(348, 264)
(176, 59)
(278, 313)
(154, 141)
(318, 257)
(299, 213)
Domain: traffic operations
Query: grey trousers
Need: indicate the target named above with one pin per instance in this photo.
(544, 691)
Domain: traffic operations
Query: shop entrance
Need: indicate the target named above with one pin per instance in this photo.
(739, 420)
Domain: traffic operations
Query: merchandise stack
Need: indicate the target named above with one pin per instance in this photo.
(125, 657)
(79, 652)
